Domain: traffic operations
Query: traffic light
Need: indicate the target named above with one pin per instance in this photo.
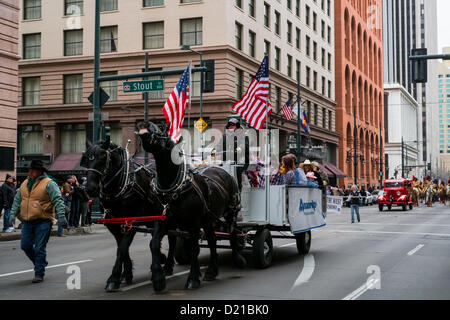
(208, 80)
(419, 67)
(429, 166)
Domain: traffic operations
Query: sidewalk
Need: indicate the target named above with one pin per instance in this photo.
(17, 233)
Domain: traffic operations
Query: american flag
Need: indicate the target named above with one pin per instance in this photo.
(176, 105)
(287, 110)
(255, 106)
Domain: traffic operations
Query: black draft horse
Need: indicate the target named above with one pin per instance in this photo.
(197, 198)
(124, 191)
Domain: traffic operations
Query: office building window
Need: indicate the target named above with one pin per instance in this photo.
(154, 35)
(251, 43)
(316, 114)
(154, 3)
(330, 120)
(266, 15)
(289, 32)
(277, 22)
(329, 89)
(298, 68)
(267, 48)
(191, 31)
(323, 57)
(110, 87)
(239, 3)
(73, 42)
(108, 5)
(307, 46)
(289, 66)
(323, 86)
(31, 9)
(289, 4)
(238, 36)
(277, 58)
(190, 1)
(73, 88)
(315, 80)
(73, 138)
(31, 91)
(30, 139)
(73, 7)
(329, 35)
(32, 46)
(297, 38)
(315, 50)
(308, 75)
(108, 39)
(323, 29)
(307, 12)
(297, 8)
(329, 61)
(324, 114)
(239, 83)
(314, 21)
(278, 99)
(251, 8)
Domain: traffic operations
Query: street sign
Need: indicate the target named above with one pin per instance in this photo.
(200, 125)
(103, 97)
(143, 86)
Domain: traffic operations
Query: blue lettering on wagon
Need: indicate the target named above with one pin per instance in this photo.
(306, 207)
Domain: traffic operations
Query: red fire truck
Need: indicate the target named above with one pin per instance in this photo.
(395, 194)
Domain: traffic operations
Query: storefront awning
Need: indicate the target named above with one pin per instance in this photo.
(67, 163)
(325, 169)
(338, 173)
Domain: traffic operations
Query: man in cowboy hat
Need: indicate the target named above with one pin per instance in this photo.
(37, 200)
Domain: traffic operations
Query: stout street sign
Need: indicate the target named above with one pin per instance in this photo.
(143, 86)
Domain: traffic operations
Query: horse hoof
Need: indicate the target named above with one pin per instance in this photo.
(239, 261)
(168, 271)
(159, 286)
(126, 280)
(112, 287)
(209, 276)
(192, 284)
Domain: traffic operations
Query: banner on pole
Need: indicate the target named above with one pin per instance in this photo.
(334, 204)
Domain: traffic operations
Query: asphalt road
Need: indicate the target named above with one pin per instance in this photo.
(389, 255)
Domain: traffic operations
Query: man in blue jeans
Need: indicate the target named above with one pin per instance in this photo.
(354, 199)
(37, 200)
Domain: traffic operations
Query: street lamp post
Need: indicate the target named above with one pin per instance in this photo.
(187, 47)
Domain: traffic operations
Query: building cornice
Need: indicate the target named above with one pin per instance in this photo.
(389, 87)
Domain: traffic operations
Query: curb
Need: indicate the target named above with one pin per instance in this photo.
(18, 235)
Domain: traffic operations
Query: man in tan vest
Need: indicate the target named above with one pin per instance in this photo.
(37, 201)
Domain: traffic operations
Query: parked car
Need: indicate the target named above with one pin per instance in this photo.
(366, 198)
(375, 195)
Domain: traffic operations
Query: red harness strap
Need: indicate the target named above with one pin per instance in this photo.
(128, 221)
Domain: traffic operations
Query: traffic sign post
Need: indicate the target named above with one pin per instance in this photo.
(143, 86)
(200, 125)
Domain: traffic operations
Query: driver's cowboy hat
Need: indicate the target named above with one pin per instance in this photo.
(38, 165)
(307, 162)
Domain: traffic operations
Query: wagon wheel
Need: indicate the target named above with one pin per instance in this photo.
(181, 252)
(262, 248)
(303, 242)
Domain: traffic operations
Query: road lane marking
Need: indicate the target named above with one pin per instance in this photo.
(309, 265)
(55, 266)
(137, 285)
(361, 290)
(393, 232)
(394, 224)
(420, 246)
(288, 245)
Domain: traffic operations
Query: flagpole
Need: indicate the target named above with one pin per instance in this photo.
(299, 138)
(190, 99)
(267, 160)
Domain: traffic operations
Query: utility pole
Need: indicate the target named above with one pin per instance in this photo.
(403, 164)
(96, 111)
(299, 138)
(355, 156)
(381, 159)
(146, 105)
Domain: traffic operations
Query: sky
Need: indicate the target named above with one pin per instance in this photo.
(443, 24)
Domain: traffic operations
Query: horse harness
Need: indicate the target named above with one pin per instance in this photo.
(127, 181)
(183, 183)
